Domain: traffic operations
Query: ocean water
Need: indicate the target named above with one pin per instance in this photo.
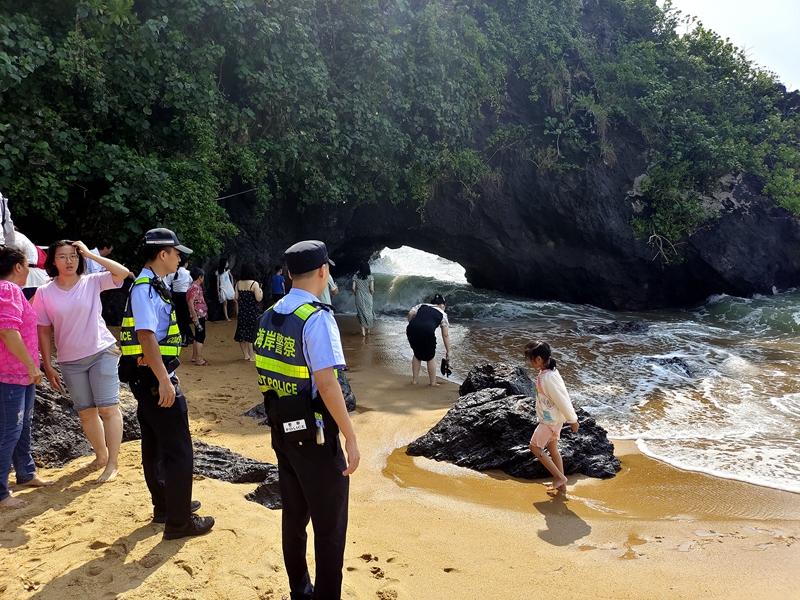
(730, 407)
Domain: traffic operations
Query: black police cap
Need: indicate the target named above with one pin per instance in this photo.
(306, 256)
(164, 237)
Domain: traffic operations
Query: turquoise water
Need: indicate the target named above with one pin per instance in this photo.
(735, 415)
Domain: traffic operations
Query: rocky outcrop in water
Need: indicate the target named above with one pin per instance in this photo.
(618, 327)
(490, 429)
(57, 436)
(514, 380)
(673, 363)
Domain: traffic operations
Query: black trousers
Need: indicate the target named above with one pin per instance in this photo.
(312, 487)
(167, 455)
(182, 315)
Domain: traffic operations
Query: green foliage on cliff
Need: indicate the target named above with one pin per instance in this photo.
(119, 115)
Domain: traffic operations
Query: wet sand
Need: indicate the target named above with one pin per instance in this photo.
(418, 529)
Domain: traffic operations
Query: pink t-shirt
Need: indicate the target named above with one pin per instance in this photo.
(76, 315)
(16, 313)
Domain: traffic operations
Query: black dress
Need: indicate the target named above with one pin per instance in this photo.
(248, 316)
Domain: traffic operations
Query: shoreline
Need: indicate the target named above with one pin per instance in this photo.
(418, 528)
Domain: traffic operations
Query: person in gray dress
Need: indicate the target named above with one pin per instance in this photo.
(364, 288)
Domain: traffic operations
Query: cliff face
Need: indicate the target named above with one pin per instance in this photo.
(566, 239)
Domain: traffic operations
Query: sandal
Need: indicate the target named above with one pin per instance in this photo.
(205, 363)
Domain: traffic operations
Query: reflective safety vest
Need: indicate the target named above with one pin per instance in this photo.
(129, 340)
(280, 362)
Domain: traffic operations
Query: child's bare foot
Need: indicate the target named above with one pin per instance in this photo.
(558, 485)
(433, 384)
(12, 502)
(414, 382)
(38, 482)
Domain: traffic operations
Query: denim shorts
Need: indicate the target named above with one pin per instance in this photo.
(93, 381)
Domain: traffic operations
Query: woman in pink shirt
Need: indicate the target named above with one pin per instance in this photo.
(19, 374)
(69, 307)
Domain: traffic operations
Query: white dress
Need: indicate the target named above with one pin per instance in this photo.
(225, 286)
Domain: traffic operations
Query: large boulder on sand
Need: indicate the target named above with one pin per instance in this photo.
(490, 429)
(57, 436)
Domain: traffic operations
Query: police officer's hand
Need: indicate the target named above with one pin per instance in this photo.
(353, 456)
(166, 392)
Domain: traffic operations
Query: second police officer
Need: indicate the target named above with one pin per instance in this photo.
(298, 352)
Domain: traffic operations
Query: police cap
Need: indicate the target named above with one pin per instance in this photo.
(306, 256)
(164, 237)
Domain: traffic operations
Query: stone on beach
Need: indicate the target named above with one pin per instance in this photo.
(57, 436)
(490, 429)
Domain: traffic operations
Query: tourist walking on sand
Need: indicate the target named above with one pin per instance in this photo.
(278, 284)
(553, 408)
(69, 308)
(19, 374)
(423, 321)
(198, 312)
(248, 295)
(225, 287)
(313, 475)
(153, 340)
(364, 288)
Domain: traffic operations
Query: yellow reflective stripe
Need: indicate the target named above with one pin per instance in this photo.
(142, 280)
(137, 350)
(305, 311)
(173, 330)
(276, 366)
(127, 322)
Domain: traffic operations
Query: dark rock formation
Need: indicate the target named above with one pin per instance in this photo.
(617, 327)
(57, 436)
(489, 429)
(673, 363)
(585, 251)
(267, 494)
(223, 464)
(257, 412)
(515, 381)
(220, 463)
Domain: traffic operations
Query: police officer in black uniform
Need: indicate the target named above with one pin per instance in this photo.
(298, 351)
(151, 342)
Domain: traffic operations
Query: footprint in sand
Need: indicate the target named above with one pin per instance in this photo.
(368, 557)
(377, 572)
(450, 570)
(386, 594)
(186, 567)
(97, 545)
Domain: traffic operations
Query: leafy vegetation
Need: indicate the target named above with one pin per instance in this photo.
(118, 115)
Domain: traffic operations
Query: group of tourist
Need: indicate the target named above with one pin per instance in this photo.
(302, 397)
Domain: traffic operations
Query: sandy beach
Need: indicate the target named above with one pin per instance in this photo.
(418, 529)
